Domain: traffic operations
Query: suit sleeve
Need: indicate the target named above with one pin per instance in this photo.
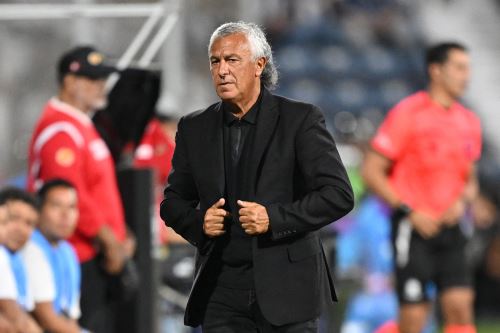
(328, 195)
(179, 207)
(62, 158)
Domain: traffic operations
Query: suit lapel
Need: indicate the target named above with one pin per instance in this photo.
(212, 151)
(266, 123)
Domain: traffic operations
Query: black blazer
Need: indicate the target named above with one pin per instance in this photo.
(295, 172)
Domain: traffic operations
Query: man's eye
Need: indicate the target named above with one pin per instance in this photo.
(214, 61)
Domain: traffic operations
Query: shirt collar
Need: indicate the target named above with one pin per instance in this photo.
(434, 103)
(70, 110)
(249, 117)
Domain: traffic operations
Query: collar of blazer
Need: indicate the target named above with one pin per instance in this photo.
(212, 141)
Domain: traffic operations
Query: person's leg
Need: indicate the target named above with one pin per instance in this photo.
(228, 311)
(264, 326)
(310, 326)
(457, 305)
(457, 308)
(457, 295)
(414, 268)
(413, 317)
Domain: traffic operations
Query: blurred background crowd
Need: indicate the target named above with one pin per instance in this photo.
(353, 58)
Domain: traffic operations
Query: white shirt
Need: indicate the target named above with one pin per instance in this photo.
(8, 288)
(41, 279)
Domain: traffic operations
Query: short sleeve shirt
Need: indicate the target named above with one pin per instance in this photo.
(8, 288)
(9, 282)
(39, 273)
(41, 277)
(432, 149)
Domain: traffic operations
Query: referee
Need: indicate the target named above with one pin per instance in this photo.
(422, 164)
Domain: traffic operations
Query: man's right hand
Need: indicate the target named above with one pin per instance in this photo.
(423, 224)
(213, 223)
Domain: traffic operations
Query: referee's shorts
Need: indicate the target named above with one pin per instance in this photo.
(421, 264)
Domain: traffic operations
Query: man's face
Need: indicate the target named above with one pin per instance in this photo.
(89, 93)
(454, 74)
(21, 220)
(235, 74)
(59, 213)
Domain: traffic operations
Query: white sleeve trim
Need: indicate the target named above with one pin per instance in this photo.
(50, 131)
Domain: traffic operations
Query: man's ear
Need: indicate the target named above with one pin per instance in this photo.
(260, 64)
(68, 81)
(434, 70)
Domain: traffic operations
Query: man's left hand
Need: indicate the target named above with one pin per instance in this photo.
(253, 218)
(454, 213)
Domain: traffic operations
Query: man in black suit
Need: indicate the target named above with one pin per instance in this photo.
(254, 177)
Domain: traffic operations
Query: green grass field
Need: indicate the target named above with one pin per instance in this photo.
(488, 326)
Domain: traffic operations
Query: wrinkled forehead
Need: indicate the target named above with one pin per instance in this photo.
(235, 42)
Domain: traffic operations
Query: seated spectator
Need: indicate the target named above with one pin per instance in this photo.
(51, 263)
(21, 211)
(7, 277)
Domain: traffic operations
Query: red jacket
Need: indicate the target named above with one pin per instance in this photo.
(155, 151)
(65, 144)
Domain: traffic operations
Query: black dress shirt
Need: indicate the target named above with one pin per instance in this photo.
(234, 248)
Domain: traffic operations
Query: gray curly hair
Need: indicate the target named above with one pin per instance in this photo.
(258, 45)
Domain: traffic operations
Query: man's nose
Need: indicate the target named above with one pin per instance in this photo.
(223, 68)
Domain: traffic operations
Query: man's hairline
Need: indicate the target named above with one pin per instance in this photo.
(247, 40)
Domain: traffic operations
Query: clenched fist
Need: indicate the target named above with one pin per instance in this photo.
(253, 217)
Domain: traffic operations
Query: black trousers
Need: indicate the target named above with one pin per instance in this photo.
(237, 311)
(97, 300)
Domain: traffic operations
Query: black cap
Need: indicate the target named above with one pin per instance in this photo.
(84, 61)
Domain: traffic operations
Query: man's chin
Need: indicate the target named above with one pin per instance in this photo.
(63, 235)
(226, 94)
(15, 247)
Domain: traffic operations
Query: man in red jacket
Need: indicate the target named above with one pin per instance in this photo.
(65, 144)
